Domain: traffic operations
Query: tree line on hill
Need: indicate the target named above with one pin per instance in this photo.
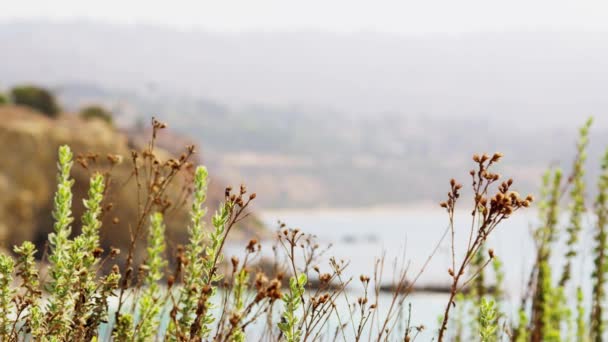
(44, 101)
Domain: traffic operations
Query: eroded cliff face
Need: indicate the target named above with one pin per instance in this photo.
(28, 154)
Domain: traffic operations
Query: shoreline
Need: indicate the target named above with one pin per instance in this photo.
(380, 209)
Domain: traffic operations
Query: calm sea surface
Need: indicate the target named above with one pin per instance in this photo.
(411, 235)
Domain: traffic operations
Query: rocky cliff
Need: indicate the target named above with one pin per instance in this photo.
(28, 145)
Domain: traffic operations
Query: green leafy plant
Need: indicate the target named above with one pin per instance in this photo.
(7, 266)
(488, 325)
(193, 271)
(30, 302)
(292, 300)
(61, 271)
(600, 252)
(150, 304)
(577, 206)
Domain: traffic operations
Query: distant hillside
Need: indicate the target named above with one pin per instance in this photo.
(313, 158)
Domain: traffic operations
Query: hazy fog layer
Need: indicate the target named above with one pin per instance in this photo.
(542, 77)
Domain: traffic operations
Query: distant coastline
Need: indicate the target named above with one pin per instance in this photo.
(376, 209)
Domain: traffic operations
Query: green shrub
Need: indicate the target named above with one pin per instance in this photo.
(3, 99)
(487, 321)
(37, 98)
(96, 112)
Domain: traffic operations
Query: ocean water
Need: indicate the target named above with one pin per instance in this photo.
(411, 235)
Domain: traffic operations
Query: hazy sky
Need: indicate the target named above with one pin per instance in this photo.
(422, 16)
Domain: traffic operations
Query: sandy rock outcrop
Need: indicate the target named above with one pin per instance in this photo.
(28, 145)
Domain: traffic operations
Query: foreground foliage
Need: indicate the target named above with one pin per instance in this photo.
(196, 295)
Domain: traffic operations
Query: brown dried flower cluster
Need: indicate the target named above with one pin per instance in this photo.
(489, 210)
